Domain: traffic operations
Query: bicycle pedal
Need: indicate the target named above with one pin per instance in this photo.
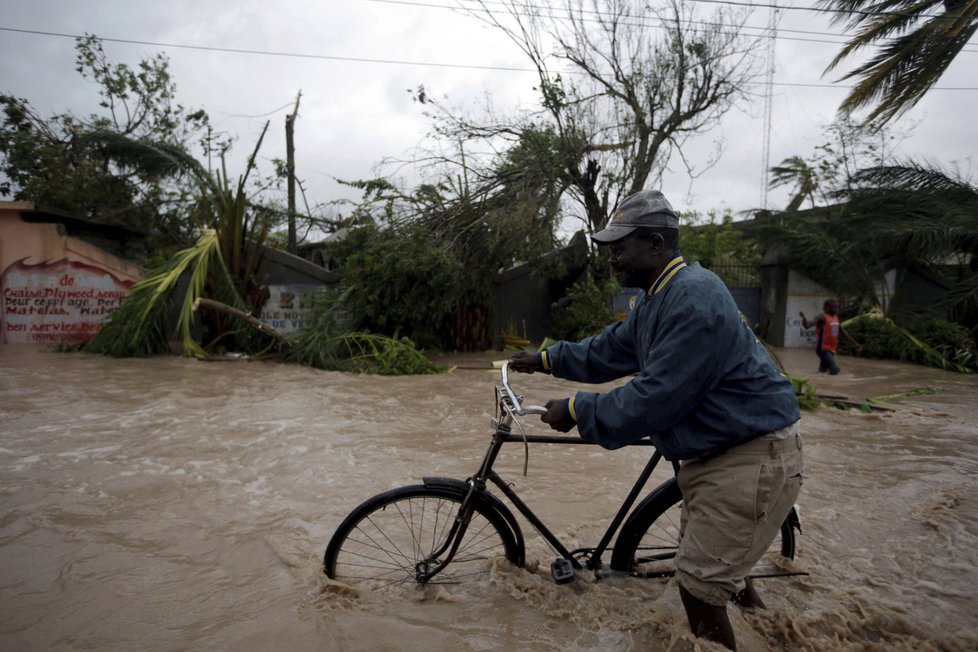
(562, 571)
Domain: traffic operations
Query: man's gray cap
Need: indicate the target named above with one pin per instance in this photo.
(645, 208)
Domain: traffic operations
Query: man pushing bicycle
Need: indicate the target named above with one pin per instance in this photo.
(705, 391)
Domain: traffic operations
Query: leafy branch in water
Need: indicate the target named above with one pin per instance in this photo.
(805, 393)
(326, 342)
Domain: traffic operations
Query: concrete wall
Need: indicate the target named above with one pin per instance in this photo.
(802, 295)
(292, 284)
(785, 293)
(54, 287)
(522, 297)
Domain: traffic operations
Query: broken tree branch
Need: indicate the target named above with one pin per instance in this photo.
(247, 317)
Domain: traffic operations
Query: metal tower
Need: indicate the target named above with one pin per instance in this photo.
(772, 33)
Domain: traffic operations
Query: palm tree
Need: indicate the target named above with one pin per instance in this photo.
(916, 40)
(221, 265)
(794, 170)
(915, 213)
(931, 219)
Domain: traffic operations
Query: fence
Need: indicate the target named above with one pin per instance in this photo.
(738, 276)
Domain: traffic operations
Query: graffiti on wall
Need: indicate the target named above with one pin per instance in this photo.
(56, 301)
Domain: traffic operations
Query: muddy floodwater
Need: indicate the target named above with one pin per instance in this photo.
(172, 504)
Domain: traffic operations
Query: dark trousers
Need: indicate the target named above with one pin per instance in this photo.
(827, 362)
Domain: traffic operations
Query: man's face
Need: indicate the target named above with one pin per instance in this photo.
(831, 307)
(635, 262)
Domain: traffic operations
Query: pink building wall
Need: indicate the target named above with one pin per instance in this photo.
(54, 287)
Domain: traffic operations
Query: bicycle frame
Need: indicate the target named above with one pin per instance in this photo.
(509, 407)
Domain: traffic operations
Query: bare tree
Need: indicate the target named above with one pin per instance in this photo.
(642, 81)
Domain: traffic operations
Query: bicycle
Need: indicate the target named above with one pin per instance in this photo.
(446, 529)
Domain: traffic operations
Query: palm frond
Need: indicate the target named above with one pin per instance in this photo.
(916, 177)
(961, 300)
(916, 43)
(156, 158)
(137, 327)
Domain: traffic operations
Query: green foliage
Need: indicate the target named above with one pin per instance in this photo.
(402, 282)
(938, 333)
(805, 393)
(328, 318)
(914, 43)
(326, 342)
(931, 342)
(587, 312)
(387, 356)
(423, 261)
(51, 162)
(712, 240)
(136, 328)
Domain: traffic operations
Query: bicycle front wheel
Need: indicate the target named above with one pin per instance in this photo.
(395, 537)
(647, 543)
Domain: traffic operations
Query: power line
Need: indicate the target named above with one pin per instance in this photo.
(736, 3)
(398, 62)
(645, 21)
(642, 19)
(269, 53)
(657, 23)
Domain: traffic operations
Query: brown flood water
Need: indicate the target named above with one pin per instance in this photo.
(170, 504)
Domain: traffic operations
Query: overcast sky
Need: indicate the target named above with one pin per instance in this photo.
(355, 113)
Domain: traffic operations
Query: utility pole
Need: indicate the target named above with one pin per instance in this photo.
(293, 246)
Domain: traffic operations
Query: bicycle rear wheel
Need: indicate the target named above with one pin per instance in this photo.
(395, 536)
(648, 542)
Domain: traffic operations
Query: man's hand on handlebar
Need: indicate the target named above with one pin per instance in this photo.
(525, 362)
(558, 416)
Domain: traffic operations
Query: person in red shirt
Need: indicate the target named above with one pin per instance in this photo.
(828, 328)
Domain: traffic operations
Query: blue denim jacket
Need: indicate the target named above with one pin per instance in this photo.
(704, 382)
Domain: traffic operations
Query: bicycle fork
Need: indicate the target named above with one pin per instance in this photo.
(431, 565)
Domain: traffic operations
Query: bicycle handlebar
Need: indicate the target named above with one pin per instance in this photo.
(518, 409)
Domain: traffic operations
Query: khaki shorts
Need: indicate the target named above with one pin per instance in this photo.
(733, 507)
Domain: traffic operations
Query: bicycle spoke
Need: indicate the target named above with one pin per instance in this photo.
(384, 534)
(395, 542)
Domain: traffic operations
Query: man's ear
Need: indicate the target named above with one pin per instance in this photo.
(657, 243)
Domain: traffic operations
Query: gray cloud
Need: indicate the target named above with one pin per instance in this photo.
(354, 114)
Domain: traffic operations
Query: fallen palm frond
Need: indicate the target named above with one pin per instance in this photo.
(137, 328)
(219, 274)
(808, 399)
